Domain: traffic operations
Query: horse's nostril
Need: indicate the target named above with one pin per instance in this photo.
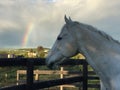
(50, 65)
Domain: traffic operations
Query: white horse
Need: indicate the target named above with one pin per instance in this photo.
(102, 52)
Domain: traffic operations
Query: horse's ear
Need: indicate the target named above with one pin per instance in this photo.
(68, 21)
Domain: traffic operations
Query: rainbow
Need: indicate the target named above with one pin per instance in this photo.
(28, 31)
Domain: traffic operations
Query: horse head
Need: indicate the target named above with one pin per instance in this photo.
(65, 46)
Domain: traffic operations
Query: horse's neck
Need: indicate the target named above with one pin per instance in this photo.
(95, 43)
(98, 50)
(102, 54)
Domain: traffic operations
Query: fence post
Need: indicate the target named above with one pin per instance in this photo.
(17, 78)
(36, 75)
(61, 76)
(30, 68)
(85, 76)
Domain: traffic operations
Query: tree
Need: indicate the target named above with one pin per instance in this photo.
(40, 52)
(40, 48)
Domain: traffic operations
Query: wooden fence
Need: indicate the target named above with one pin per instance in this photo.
(31, 62)
(60, 72)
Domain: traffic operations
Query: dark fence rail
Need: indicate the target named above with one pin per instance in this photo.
(31, 62)
(36, 61)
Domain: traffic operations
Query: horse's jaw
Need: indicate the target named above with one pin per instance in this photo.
(53, 60)
(54, 65)
(51, 65)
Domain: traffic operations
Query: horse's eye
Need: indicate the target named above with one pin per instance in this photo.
(59, 38)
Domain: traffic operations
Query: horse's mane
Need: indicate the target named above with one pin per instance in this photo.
(102, 33)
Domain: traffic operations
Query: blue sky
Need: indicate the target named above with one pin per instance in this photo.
(47, 17)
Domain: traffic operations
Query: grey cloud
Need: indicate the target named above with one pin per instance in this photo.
(10, 38)
(48, 18)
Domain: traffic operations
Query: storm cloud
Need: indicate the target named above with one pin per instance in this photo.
(48, 18)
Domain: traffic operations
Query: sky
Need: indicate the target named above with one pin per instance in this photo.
(33, 23)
